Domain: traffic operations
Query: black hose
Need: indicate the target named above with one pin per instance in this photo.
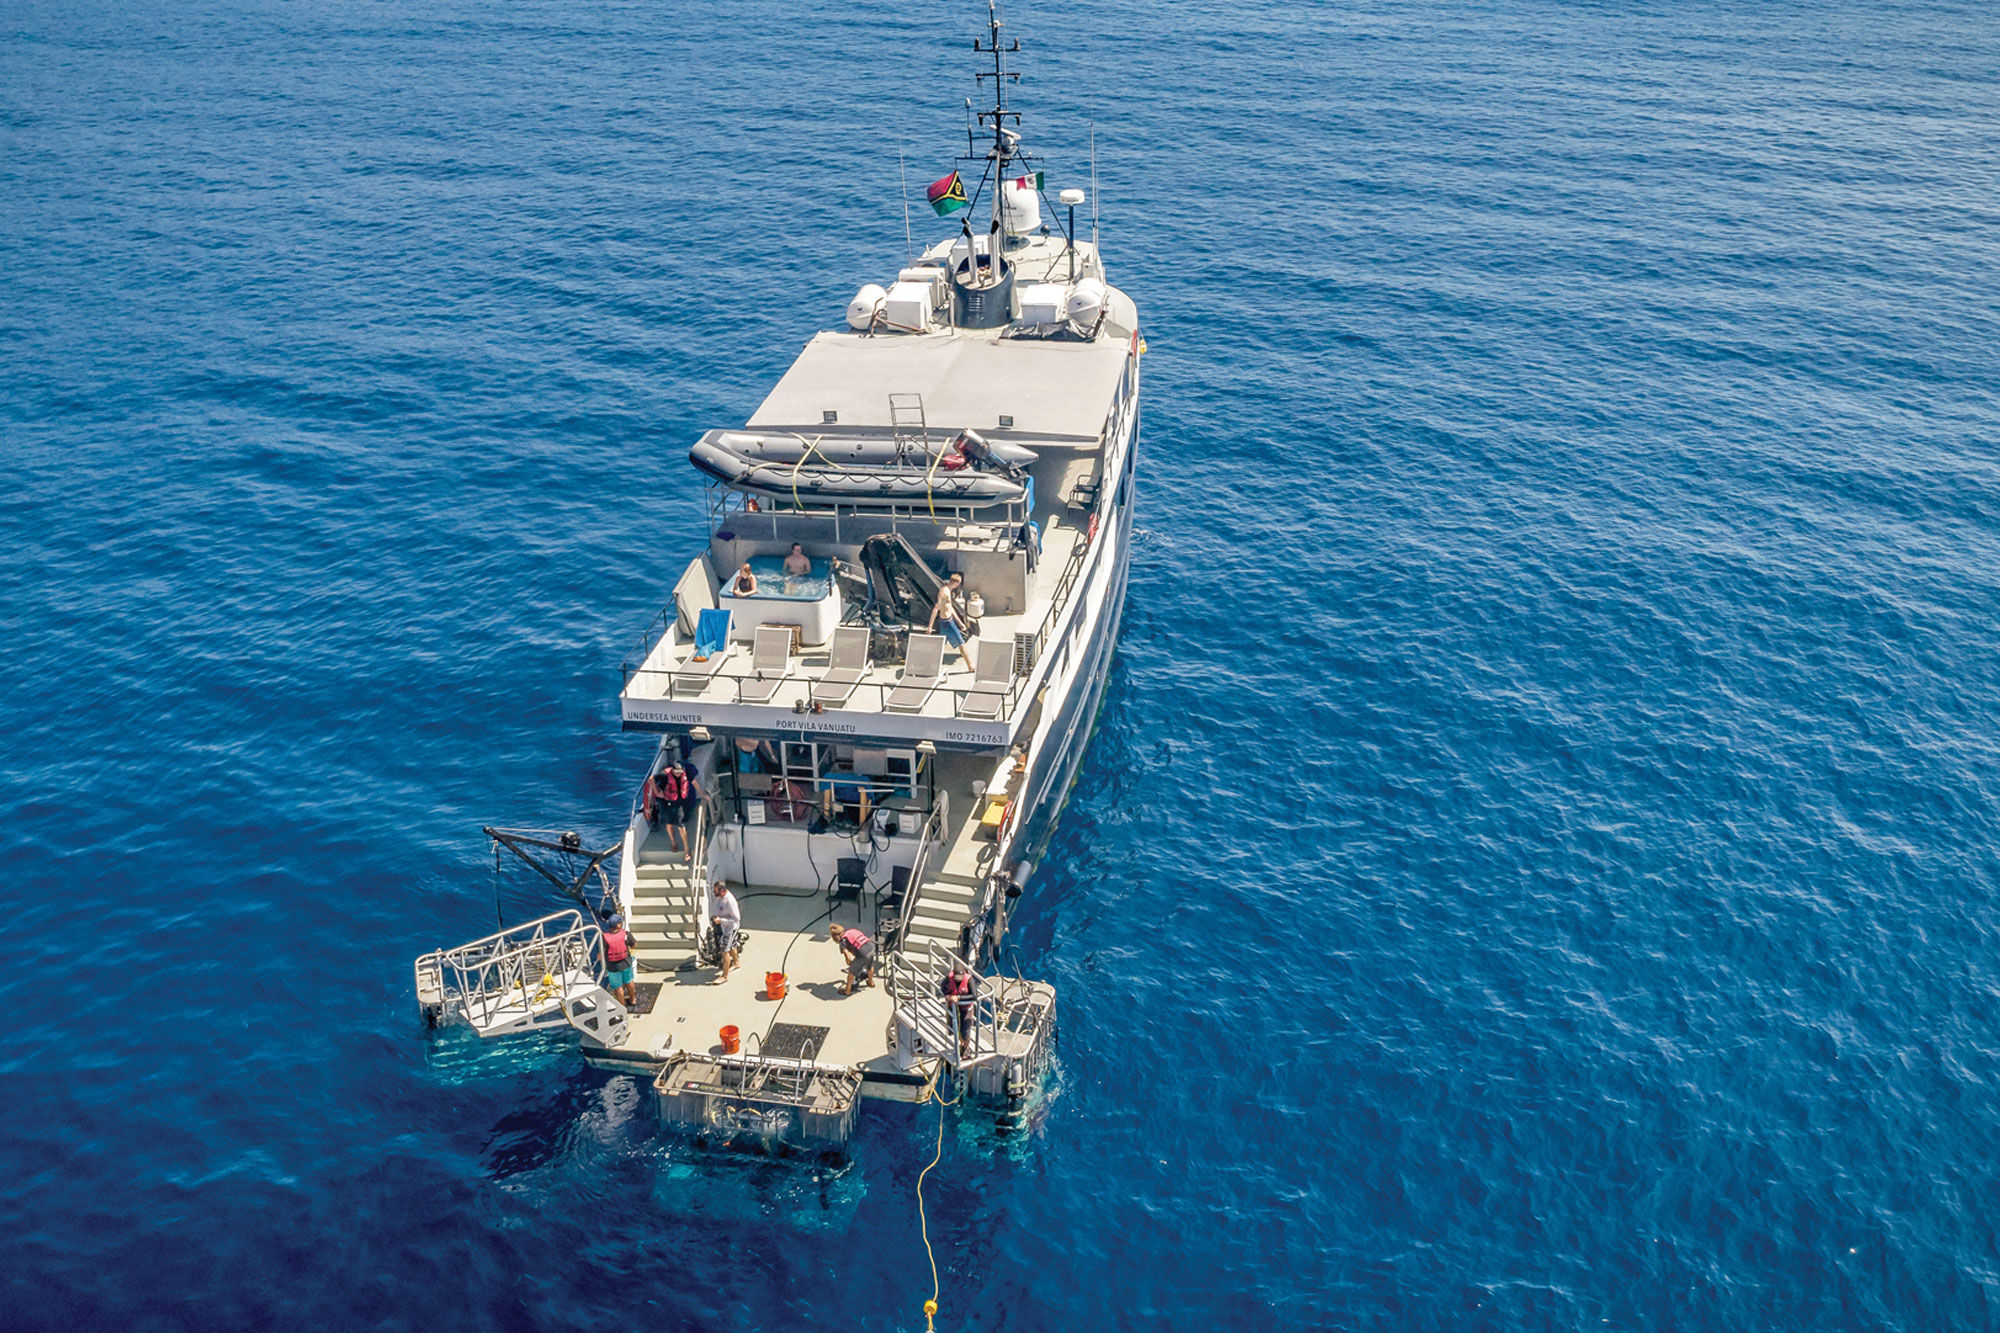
(785, 962)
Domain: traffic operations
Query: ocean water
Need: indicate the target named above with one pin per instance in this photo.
(1536, 865)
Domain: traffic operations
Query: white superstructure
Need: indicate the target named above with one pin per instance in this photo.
(862, 758)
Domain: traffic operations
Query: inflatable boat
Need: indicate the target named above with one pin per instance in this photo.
(969, 471)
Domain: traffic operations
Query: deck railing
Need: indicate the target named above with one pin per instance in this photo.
(967, 1035)
(936, 825)
(956, 684)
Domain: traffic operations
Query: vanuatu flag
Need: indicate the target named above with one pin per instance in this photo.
(948, 195)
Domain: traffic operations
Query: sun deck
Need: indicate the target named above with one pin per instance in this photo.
(670, 685)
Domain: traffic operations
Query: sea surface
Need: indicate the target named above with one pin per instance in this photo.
(1536, 867)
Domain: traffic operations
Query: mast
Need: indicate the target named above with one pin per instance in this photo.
(1006, 142)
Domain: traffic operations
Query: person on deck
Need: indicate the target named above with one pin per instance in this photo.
(798, 564)
(670, 802)
(726, 917)
(949, 616)
(755, 756)
(618, 962)
(746, 582)
(859, 951)
(958, 988)
(844, 794)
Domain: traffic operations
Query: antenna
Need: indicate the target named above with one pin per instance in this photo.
(1005, 141)
(1093, 184)
(903, 174)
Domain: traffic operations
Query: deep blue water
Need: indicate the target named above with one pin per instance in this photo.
(1536, 867)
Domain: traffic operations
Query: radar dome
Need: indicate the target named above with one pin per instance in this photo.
(1023, 207)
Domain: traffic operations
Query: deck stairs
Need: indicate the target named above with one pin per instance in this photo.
(950, 884)
(665, 905)
(537, 975)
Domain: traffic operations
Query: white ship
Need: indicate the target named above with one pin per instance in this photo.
(863, 760)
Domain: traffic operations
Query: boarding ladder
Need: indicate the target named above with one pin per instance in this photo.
(527, 978)
(913, 433)
(927, 1022)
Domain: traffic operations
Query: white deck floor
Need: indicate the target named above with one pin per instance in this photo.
(653, 681)
(693, 1008)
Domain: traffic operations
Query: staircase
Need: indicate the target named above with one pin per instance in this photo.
(665, 917)
(941, 911)
(926, 1022)
(944, 899)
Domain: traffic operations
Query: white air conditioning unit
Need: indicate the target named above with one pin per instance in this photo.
(1043, 303)
(908, 307)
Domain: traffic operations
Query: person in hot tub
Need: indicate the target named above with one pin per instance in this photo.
(745, 584)
(798, 564)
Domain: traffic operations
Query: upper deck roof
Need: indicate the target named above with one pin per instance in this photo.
(1053, 390)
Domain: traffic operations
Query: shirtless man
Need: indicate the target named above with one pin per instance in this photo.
(798, 564)
(949, 610)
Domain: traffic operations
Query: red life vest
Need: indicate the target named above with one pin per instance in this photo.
(958, 983)
(671, 785)
(854, 939)
(617, 948)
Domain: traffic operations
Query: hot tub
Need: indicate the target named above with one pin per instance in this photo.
(807, 600)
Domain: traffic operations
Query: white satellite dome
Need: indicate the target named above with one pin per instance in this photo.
(1022, 206)
(866, 305)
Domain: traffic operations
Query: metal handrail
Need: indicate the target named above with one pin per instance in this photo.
(915, 979)
(488, 971)
(928, 841)
(878, 690)
(649, 639)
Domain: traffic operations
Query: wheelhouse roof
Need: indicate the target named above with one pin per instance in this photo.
(1054, 390)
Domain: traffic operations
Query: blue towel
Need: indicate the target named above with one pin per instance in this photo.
(711, 633)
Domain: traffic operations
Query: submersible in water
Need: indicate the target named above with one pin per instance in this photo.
(880, 673)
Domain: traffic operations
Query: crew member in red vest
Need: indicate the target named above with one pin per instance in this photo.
(859, 951)
(670, 798)
(958, 988)
(618, 962)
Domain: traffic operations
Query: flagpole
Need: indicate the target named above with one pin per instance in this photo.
(902, 172)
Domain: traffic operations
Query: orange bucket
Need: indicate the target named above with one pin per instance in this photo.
(774, 985)
(731, 1040)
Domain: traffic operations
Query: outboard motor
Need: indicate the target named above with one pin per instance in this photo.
(981, 454)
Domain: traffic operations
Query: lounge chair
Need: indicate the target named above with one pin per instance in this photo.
(770, 663)
(922, 665)
(849, 665)
(711, 650)
(989, 688)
